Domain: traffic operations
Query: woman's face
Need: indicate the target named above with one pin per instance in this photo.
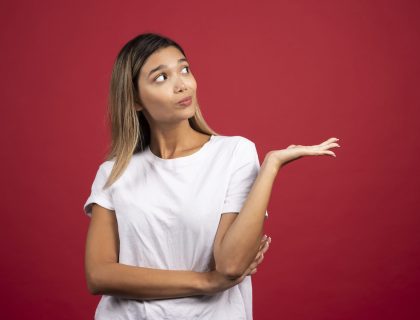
(160, 90)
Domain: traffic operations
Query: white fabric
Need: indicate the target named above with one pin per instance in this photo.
(168, 211)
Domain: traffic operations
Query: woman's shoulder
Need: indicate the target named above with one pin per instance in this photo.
(107, 164)
(234, 139)
(234, 147)
(105, 167)
(236, 142)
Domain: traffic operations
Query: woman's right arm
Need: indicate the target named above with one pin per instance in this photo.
(105, 275)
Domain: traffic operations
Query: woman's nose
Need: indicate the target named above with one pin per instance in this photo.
(180, 85)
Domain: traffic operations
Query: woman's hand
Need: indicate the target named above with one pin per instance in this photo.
(219, 282)
(252, 269)
(293, 152)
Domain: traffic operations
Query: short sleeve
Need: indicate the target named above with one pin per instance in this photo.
(243, 174)
(98, 194)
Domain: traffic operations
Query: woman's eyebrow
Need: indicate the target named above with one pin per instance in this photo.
(162, 66)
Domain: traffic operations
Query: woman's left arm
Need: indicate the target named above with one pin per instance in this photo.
(241, 241)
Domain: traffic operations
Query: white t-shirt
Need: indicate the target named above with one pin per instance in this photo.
(168, 211)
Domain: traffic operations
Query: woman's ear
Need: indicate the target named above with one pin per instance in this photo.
(138, 106)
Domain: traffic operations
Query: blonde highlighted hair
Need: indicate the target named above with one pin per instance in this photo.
(130, 131)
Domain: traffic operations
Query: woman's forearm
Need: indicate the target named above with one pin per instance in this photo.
(242, 240)
(140, 283)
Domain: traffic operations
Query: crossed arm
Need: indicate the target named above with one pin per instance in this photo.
(236, 245)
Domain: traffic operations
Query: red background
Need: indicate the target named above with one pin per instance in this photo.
(345, 230)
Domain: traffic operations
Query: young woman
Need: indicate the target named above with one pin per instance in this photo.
(177, 210)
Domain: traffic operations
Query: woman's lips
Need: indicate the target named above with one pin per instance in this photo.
(186, 101)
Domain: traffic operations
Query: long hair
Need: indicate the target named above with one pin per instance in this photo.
(130, 131)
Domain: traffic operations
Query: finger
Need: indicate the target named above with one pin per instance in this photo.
(329, 153)
(248, 272)
(319, 149)
(264, 238)
(264, 250)
(260, 256)
(261, 250)
(263, 247)
(256, 261)
(262, 244)
(330, 145)
(329, 141)
(253, 265)
(251, 268)
(260, 259)
(251, 271)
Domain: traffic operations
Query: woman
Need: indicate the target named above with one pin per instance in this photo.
(177, 211)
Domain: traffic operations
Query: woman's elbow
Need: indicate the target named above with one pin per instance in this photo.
(93, 282)
(231, 271)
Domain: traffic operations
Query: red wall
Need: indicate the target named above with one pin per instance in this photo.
(345, 230)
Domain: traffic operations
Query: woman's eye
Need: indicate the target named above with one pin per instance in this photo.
(163, 74)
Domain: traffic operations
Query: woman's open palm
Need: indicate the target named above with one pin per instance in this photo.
(293, 152)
